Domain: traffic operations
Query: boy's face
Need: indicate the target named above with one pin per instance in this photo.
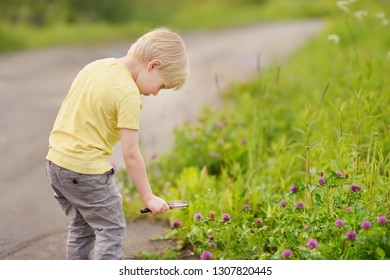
(149, 80)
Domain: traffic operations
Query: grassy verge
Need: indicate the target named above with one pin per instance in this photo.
(300, 168)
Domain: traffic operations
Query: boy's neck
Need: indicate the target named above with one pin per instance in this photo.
(131, 64)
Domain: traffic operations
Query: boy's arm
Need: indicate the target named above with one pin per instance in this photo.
(136, 169)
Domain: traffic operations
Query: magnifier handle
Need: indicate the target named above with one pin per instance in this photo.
(145, 210)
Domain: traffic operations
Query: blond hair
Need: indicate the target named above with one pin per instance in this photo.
(167, 46)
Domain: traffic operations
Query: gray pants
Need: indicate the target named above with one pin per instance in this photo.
(94, 206)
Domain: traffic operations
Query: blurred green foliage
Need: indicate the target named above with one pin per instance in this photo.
(39, 23)
(46, 12)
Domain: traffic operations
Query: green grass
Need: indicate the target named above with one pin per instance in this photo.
(28, 37)
(324, 111)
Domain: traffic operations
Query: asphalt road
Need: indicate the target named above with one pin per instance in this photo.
(34, 83)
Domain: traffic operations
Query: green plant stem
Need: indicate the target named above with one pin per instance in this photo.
(372, 177)
(327, 198)
(243, 248)
(357, 151)
(358, 135)
(307, 175)
(369, 148)
(346, 253)
(341, 192)
(343, 247)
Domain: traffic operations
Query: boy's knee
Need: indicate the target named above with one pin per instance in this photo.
(118, 233)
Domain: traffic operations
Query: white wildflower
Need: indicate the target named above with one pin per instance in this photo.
(343, 5)
(380, 15)
(334, 38)
(388, 55)
(313, 172)
(385, 22)
(360, 14)
(352, 1)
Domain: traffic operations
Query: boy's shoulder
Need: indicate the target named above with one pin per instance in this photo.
(110, 75)
(109, 70)
(101, 64)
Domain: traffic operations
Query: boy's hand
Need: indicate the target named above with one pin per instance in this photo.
(157, 205)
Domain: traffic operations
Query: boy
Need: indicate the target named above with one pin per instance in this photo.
(102, 107)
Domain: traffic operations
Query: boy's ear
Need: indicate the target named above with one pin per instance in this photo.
(155, 63)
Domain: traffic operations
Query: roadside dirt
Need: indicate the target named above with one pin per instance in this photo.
(33, 85)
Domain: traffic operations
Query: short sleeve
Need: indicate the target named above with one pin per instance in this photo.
(128, 111)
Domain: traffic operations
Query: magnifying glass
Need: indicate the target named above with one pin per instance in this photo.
(175, 204)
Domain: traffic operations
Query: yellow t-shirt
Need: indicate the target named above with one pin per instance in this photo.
(102, 99)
